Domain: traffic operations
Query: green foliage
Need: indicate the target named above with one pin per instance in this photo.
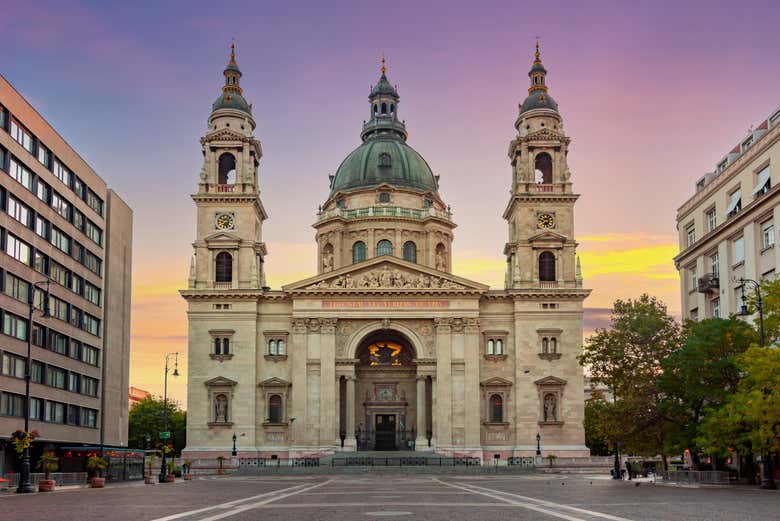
(699, 375)
(97, 464)
(599, 425)
(146, 419)
(49, 463)
(627, 359)
(750, 418)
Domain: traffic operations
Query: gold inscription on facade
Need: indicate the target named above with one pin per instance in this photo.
(384, 304)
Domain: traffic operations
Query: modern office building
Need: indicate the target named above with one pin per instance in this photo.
(727, 229)
(59, 222)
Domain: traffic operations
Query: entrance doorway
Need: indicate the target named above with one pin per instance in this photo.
(384, 429)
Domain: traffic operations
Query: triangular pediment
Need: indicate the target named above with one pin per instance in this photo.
(550, 381)
(543, 134)
(221, 237)
(386, 273)
(547, 236)
(220, 381)
(225, 134)
(274, 382)
(496, 381)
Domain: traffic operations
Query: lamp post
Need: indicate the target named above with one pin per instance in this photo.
(234, 453)
(616, 470)
(163, 477)
(767, 474)
(25, 486)
(538, 444)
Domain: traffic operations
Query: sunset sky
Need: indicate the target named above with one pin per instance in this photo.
(653, 95)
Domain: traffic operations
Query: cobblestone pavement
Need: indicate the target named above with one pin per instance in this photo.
(393, 497)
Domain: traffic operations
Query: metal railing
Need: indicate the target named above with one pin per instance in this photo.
(710, 477)
(60, 478)
(384, 211)
(405, 461)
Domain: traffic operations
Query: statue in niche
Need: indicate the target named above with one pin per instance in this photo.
(327, 261)
(220, 409)
(441, 260)
(550, 408)
(203, 174)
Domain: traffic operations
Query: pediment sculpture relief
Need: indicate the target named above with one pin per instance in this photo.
(386, 278)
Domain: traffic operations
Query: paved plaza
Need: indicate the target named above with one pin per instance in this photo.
(394, 497)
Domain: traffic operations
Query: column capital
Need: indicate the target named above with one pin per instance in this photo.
(299, 325)
(443, 325)
(328, 325)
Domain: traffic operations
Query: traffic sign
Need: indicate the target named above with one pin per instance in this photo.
(165, 435)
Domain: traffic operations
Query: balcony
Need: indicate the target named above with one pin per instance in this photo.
(708, 283)
(384, 211)
(542, 188)
(548, 284)
(226, 188)
(223, 285)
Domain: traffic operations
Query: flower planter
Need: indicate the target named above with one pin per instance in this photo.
(170, 478)
(188, 477)
(46, 485)
(97, 482)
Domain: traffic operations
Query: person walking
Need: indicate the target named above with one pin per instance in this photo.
(628, 469)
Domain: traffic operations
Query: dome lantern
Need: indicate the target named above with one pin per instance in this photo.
(538, 97)
(232, 94)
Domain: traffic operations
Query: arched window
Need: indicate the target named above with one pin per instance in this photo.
(410, 252)
(280, 347)
(227, 169)
(545, 345)
(358, 252)
(225, 346)
(491, 347)
(392, 108)
(384, 247)
(384, 108)
(375, 109)
(220, 408)
(275, 409)
(224, 268)
(499, 347)
(385, 160)
(272, 347)
(543, 168)
(217, 346)
(553, 345)
(496, 408)
(547, 266)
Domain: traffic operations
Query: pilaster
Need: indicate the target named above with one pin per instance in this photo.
(443, 410)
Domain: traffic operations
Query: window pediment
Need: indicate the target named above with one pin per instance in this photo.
(274, 383)
(548, 237)
(222, 240)
(550, 381)
(220, 381)
(496, 382)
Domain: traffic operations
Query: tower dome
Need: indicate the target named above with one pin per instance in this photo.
(538, 97)
(232, 94)
(384, 157)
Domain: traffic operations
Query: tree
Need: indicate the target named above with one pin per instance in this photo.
(749, 419)
(699, 375)
(146, 419)
(599, 425)
(627, 359)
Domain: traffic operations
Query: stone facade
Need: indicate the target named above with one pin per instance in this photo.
(385, 348)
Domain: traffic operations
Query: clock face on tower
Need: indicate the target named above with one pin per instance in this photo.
(225, 221)
(545, 220)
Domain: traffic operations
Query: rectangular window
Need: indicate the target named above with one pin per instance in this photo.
(41, 264)
(3, 117)
(91, 324)
(716, 308)
(56, 377)
(690, 234)
(78, 251)
(21, 136)
(62, 173)
(14, 326)
(767, 235)
(78, 220)
(711, 220)
(89, 386)
(36, 409)
(12, 404)
(44, 155)
(714, 267)
(95, 202)
(60, 205)
(58, 308)
(59, 274)
(17, 288)
(89, 354)
(3, 153)
(21, 174)
(43, 191)
(92, 293)
(42, 227)
(79, 188)
(763, 182)
(739, 250)
(735, 204)
(18, 210)
(88, 417)
(693, 281)
(60, 240)
(694, 314)
(13, 365)
(36, 372)
(74, 349)
(94, 233)
(75, 316)
(76, 284)
(39, 335)
(73, 382)
(92, 262)
(17, 249)
(58, 342)
(73, 414)
(55, 412)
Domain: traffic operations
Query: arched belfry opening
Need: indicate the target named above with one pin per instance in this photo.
(227, 169)
(386, 407)
(543, 169)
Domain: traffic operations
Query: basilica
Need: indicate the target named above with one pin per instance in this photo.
(384, 348)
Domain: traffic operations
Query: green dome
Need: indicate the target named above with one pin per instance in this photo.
(232, 100)
(384, 160)
(538, 100)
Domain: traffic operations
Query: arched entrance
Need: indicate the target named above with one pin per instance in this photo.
(386, 392)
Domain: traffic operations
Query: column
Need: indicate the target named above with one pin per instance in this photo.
(421, 442)
(350, 411)
(327, 376)
(337, 410)
(298, 352)
(472, 351)
(443, 411)
(434, 423)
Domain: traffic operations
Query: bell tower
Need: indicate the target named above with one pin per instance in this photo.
(229, 249)
(540, 252)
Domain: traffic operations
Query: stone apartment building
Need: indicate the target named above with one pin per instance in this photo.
(60, 223)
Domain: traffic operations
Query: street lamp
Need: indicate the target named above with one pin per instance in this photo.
(163, 477)
(235, 452)
(767, 475)
(25, 486)
(538, 444)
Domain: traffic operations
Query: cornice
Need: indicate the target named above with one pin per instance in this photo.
(537, 294)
